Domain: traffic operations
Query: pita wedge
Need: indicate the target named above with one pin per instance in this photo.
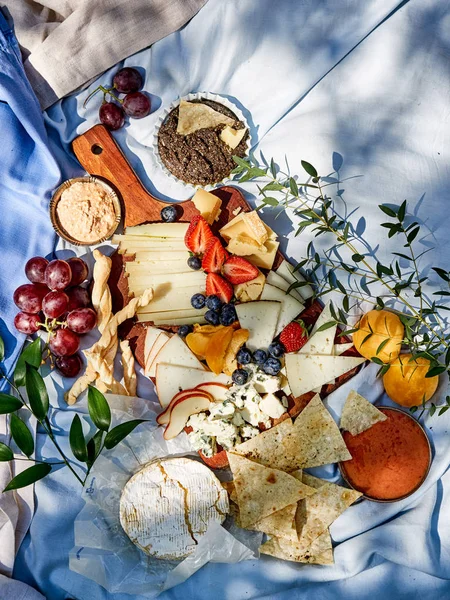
(319, 441)
(319, 553)
(317, 512)
(260, 490)
(280, 524)
(193, 116)
(359, 414)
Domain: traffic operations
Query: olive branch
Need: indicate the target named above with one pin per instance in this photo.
(26, 375)
(308, 204)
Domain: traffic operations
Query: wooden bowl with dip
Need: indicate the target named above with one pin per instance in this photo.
(85, 211)
(390, 460)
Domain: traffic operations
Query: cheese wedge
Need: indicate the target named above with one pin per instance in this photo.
(151, 334)
(207, 205)
(162, 339)
(321, 342)
(260, 318)
(255, 226)
(305, 372)
(265, 260)
(243, 245)
(286, 270)
(339, 349)
(274, 279)
(168, 298)
(250, 290)
(172, 379)
(160, 230)
(290, 307)
(232, 137)
(176, 352)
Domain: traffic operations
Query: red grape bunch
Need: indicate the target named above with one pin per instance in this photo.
(56, 302)
(136, 104)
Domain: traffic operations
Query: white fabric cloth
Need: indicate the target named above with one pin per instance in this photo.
(68, 42)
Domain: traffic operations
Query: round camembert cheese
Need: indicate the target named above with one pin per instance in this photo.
(168, 505)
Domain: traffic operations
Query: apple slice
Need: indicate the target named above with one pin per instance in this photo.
(217, 390)
(183, 408)
(164, 417)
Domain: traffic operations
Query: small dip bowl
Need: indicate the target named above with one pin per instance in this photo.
(57, 196)
(390, 460)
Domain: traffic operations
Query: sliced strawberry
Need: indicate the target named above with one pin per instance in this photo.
(198, 235)
(214, 257)
(239, 270)
(294, 336)
(217, 285)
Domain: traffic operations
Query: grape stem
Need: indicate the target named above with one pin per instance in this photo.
(105, 91)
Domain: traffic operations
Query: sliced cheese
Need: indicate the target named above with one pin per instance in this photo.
(168, 505)
(271, 405)
(172, 379)
(161, 255)
(290, 307)
(255, 226)
(274, 279)
(150, 279)
(151, 334)
(170, 298)
(250, 290)
(265, 260)
(178, 314)
(129, 248)
(305, 372)
(260, 318)
(286, 271)
(176, 352)
(243, 245)
(232, 137)
(341, 348)
(198, 319)
(207, 205)
(159, 230)
(174, 266)
(321, 342)
(162, 339)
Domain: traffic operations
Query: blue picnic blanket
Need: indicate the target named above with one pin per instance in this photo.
(358, 87)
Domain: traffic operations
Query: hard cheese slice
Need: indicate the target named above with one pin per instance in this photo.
(162, 339)
(171, 379)
(318, 438)
(286, 270)
(321, 342)
(167, 506)
(261, 491)
(176, 352)
(232, 137)
(290, 307)
(160, 230)
(151, 335)
(274, 279)
(305, 372)
(207, 204)
(260, 318)
(359, 414)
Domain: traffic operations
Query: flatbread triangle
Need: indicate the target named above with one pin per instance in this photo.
(319, 553)
(193, 116)
(359, 414)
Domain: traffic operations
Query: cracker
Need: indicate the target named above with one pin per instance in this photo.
(359, 414)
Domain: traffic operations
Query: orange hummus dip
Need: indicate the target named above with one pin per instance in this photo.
(86, 212)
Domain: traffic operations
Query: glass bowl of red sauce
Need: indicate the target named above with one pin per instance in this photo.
(390, 460)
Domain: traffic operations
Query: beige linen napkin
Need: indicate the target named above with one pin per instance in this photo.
(66, 43)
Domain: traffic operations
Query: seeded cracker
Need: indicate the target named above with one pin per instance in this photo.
(359, 414)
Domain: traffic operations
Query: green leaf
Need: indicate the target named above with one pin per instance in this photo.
(241, 162)
(29, 476)
(99, 410)
(348, 332)
(412, 235)
(120, 432)
(382, 345)
(326, 326)
(432, 409)
(309, 168)
(442, 274)
(293, 187)
(77, 441)
(37, 393)
(295, 285)
(9, 404)
(271, 201)
(341, 287)
(383, 370)
(387, 211)
(2, 349)
(368, 336)
(5, 452)
(413, 409)
(377, 360)
(31, 355)
(346, 303)
(21, 435)
(380, 302)
(436, 371)
(358, 257)
(93, 447)
(273, 187)
(273, 168)
(447, 357)
(405, 256)
(443, 410)
(402, 211)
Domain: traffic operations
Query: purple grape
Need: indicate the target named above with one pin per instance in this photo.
(137, 105)
(64, 342)
(35, 269)
(111, 115)
(69, 366)
(28, 297)
(82, 320)
(58, 275)
(27, 323)
(55, 304)
(128, 80)
(79, 270)
(78, 298)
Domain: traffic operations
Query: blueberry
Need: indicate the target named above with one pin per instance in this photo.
(276, 349)
(240, 376)
(228, 315)
(194, 263)
(213, 302)
(272, 366)
(169, 214)
(259, 357)
(212, 317)
(244, 356)
(183, 330)
(198, 301)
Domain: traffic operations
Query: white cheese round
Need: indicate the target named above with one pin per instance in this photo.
(168, 505)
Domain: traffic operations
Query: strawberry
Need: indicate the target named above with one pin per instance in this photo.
(198, 235)
(217, 285)
(294, 336)
(239, 270)
(214, 257)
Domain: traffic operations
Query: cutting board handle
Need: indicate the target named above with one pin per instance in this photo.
(100, 155)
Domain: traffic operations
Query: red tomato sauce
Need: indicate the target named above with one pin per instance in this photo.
(390, 460)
